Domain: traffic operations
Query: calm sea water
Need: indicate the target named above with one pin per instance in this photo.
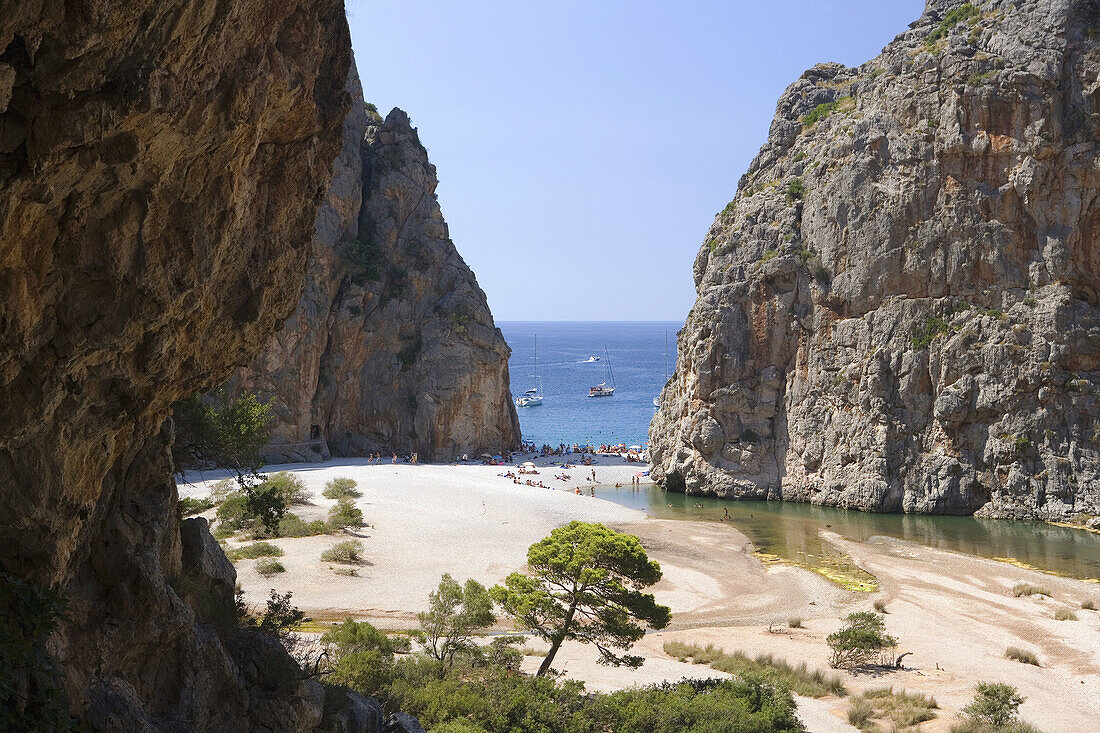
(567, 414)
(792, 531)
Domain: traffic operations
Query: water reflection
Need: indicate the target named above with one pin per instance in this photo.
(790, 530)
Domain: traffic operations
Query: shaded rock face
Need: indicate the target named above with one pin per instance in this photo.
(899, 310)
(392, 347)
(161, 167)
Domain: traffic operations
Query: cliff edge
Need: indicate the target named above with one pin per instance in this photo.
(161, 168)
(899, 311)
(392, 347)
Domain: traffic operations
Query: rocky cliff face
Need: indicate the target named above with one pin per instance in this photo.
(161, 166)
(899, 309)
(392, 347)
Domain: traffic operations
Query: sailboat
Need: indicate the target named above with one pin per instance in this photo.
(657, 399)
(533, 397)
(605, 388)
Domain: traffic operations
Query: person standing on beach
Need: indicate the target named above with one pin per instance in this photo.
(395, 459)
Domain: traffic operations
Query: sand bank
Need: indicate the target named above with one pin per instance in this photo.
(955, 613)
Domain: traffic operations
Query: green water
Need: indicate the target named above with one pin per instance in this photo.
(791, 531)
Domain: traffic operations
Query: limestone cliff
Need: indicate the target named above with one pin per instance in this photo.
(899, 311)
(392, 347)
(161, 167)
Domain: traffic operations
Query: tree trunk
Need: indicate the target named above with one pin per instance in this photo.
(558, 639)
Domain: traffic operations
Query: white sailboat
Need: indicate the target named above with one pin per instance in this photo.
(657, 399)
(533, 397)
(605, 388)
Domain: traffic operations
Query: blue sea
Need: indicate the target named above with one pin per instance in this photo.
(568, 414)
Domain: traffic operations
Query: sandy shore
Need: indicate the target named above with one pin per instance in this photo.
(955, 613)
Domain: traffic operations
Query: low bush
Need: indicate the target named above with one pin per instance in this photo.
(221, 490)
(255, 550)
(289, 488)
(903, 709)
(1026, 589)
(340, 488)
(995, 704)
(861, 640)
(233, 513)
(345, 515)
(190, 506)
(1064, 614)
(794, 622)
(348, 552)
(880, 606)
(860, 713)
(292, 525)
(1021, 655)
(822, 111)
(800, 679)
(267, 567)
(1088, 605)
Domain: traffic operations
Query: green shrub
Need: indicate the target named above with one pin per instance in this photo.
(32, 697)
(860, 641)
(364, 258)
(189, 506)
(795, 191)
(904, 709)
(221, 490)
(289, 487)
(934, 326)
(362, 656)
(1026, 589)
(822, 111)
(880, 606)
(341, 488)
(964, 12)
(291, 525)
(255, 550)
(794, 622)
(860, 712)
(1021, 655)
(348, 551)
(233, 513)
(220, 431)
(1088, 604)
(1064, 614)
(345, 515)
(267, 567)
(768, 255)
(800, 679)
(995, 703)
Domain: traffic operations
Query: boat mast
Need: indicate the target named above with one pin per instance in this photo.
(610, 372)
(538, 379)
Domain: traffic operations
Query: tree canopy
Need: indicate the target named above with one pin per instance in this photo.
(586, 585)
(454, 613)
(222, 432)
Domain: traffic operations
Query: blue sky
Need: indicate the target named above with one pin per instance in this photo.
(583, 148)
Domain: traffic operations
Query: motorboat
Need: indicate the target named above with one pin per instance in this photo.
(591, 360)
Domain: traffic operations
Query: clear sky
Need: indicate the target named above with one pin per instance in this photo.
(584, 147)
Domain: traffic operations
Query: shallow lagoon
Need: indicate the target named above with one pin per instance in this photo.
(790, 531)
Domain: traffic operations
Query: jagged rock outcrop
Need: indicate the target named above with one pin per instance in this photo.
(900, 311)
(161, 167)
(393, 347)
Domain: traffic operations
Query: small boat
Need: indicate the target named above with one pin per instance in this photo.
(605, 388)
(591, 360)
(533, 397)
